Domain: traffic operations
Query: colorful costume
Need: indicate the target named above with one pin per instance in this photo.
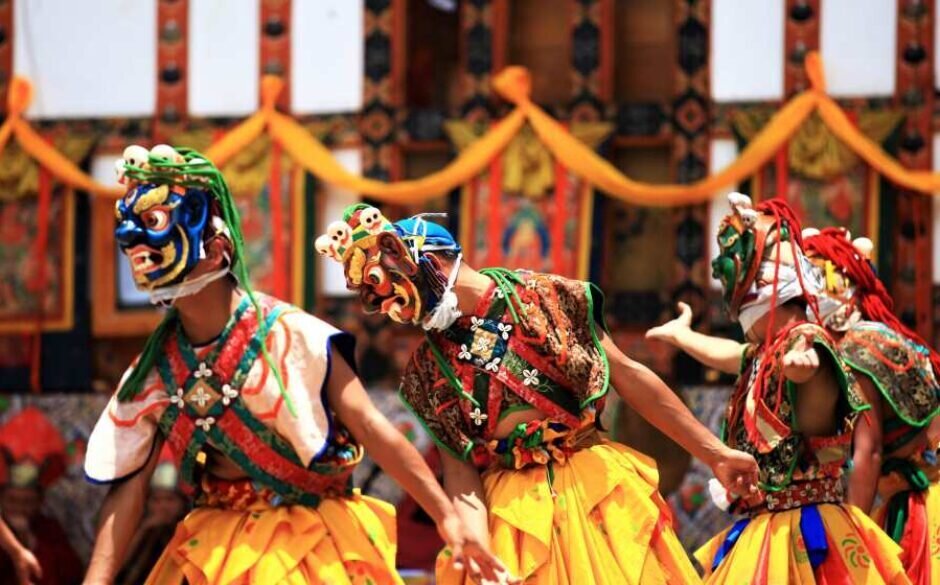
(255, 396)
(875, 344)
(32, 459)
(796, 528)
(565, 505)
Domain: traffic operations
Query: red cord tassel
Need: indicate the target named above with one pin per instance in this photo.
(275, 200)
(39, 282)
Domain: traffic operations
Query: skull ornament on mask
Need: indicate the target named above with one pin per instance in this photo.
(376, 263)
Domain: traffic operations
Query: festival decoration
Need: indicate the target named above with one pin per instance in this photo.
(514, 84)
(546, 209)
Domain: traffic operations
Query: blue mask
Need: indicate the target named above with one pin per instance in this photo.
(160, 228)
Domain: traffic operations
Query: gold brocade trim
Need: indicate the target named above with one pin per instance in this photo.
(814, 151)
(19, 173)
(528, 165)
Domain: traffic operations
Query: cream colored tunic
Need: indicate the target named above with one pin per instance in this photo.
(299, 343)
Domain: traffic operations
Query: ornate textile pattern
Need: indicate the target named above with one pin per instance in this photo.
(206, 405)
(546, 214)
(257, 212)
(761, 419)
(899, 369)
(828, 185)
(548, 360)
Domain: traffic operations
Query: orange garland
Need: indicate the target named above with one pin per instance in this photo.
(514, 84)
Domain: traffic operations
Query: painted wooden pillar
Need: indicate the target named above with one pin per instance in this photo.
(6, 51)
(801, 35)
(172, 68)
(274, 45)
(483, 25)
(914, 94)
(378, 123)
(691, 115)
(591, 58)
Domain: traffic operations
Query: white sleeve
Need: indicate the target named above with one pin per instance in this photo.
(125, 434)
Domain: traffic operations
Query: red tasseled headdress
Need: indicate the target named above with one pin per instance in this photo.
(872, 297)
(784, 215)
(30, 439)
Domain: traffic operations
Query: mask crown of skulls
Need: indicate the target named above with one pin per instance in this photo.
(389, 265)
(359, 223)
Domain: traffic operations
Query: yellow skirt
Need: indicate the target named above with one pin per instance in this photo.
(606, 523)
(783, 547)
(344, 541)
(920, 541)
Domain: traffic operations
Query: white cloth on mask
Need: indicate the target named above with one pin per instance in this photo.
(788, 288)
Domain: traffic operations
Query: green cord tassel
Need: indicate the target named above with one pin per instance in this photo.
(506, 280)
(197, 172)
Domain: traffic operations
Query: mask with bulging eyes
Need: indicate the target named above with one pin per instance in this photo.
(387, 279)
(160, 228)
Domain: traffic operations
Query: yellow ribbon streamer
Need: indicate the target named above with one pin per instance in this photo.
(514, 84)
(64, 170)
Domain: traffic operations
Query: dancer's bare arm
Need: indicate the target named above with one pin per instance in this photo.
(399, 458)
(719, 353)
(121, 513)
(866, 450)
(464, 486)
(646, 393)
(24, 561)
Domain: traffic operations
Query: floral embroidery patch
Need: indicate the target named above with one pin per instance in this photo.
(487, 343)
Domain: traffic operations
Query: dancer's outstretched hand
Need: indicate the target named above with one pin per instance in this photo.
(27, 567)
(802, 361)
(737, 471)
(669, 331)
(473, 555)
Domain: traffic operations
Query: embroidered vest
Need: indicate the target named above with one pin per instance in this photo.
(533, 354)
(761, 420)
(206, 407)
(901, 371)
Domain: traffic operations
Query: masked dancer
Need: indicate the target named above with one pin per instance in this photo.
(794, 408)
(257, 400)
(510, 381)
(896, 447)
